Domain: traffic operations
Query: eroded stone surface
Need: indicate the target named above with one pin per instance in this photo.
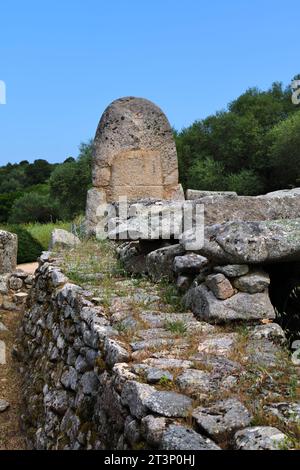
(181, 438)
(170, 404)
(8, 252)
(241, 306)
(260, 438)
(222, 419)
(134, 155)
(253, 283)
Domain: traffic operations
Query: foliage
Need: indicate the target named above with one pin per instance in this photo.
(70, 181)
(207, 174)
(33, 207)
(251, 147)
(284, 153)
(246, 182)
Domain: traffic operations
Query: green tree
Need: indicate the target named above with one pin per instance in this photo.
(284, 153)
(208, 175)
(70, 181)
(33, 207)
(246, 183)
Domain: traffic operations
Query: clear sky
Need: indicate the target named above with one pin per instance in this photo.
(64, 61)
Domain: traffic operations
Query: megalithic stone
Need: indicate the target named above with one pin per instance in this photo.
(134, 156)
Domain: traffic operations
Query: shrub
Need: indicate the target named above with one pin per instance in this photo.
(33, 207)
(207, 175)
(246, 183)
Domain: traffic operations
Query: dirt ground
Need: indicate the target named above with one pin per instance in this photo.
(11, 437)
(28, 267)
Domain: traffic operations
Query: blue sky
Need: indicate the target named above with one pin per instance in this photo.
(64, 61)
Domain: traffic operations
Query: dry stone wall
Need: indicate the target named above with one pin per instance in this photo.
(87, 386)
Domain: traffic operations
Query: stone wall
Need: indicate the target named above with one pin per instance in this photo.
(14, 288)
(86, 387)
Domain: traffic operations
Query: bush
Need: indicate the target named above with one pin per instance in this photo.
(29, 249)
(207, 175)
(246, 183)
(33, 207)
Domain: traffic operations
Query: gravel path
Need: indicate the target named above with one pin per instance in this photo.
(11, 437)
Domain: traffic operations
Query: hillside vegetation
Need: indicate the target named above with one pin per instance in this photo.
(252, 147)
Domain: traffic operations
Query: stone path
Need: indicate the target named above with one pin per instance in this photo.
(11, 437)
(221, 377)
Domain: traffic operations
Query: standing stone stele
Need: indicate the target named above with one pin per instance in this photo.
(134, 156)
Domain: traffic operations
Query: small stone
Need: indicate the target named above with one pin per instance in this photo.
(69, 379)
(3, 327)
(155, 343)
(156, 375)
(135, 395)
(89, 383)
(271, 331)
(183, 283)
(193, 380)
(232, 270)
(260, 438)
(57, 401)
(170, 404)
(15, 283)
(221, 344)
(222, 419)
(20, 297)
(286, 412)
(4, 405)
(2, 353)
(220, 286)
(152, 428)
(132, 431)
(63, 239)
(181, 438)
(81, 365)
(114, 352)
(253, 283)
(190, 263)
(263, 352)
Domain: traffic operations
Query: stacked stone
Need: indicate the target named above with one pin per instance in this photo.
(14, 288)
(86, 388)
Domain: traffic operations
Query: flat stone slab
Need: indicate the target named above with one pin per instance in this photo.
(194, 380)
(250, 242)
(222, 344)
(170, 404)
(263, 352)
(222, 419)
(182, 438)
(260, 438)
(232, 270)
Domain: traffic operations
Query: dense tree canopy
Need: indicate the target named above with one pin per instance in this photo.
(239, 149)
